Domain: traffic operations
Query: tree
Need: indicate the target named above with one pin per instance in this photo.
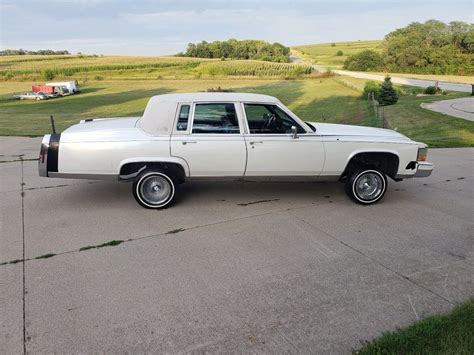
(432, 47)
(387, 95)
(247, 49)
(364, 61)
(371, 90)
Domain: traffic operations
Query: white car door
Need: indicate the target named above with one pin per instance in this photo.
(209, 138)
(272, 148)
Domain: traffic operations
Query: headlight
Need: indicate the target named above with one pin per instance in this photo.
(422, 153)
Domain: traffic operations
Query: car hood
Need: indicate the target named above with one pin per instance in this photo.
(330, 129)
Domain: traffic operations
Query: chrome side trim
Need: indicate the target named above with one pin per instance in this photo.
(43, 157)
(289, 179)
(83, 176)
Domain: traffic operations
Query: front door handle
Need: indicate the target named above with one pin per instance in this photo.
(256, 142)
(188, 142)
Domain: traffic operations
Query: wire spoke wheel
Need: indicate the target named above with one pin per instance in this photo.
(369, 186)
(366, 186)
(154, 189)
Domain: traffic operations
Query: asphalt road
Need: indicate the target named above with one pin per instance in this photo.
(396, 80)
(233, 267)
(461, 108)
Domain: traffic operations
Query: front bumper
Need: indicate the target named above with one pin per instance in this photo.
(424, 169)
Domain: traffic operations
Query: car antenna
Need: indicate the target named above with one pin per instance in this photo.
(52, 124)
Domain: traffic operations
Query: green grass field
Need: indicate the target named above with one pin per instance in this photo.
(325, 54)
(121, 86)
(451, 333)
(319, 100)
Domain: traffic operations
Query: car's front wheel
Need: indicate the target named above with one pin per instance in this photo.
(366, 185)
(154, 189)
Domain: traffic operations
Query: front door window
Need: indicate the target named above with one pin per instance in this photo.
(269, 119)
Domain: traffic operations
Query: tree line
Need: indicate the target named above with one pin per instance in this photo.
(38, 52)
(432, 47)
(234, 49)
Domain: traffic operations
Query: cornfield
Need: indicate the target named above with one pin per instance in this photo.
(69, 71)
(252, 68)
(25, 68)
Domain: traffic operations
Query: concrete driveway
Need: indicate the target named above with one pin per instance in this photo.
(241, 267)
(461, 108)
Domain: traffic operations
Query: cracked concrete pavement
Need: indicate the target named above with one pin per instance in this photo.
(267, 267)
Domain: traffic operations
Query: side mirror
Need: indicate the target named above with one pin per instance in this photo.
(294, 132)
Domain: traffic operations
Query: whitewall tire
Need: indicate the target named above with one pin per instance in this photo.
(366, 185)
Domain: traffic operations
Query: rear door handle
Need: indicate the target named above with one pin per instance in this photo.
(188, 142)
(257, 142)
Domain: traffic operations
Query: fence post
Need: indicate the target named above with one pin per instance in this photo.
(383, 117)
(472, 90)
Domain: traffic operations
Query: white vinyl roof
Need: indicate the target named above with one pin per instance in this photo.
(161, 109)
(213, 96)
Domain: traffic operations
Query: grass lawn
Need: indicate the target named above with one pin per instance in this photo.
(325, 54)
(433, 128)
(121, 86)
(334, 100)
(451, 333)
(315, 100)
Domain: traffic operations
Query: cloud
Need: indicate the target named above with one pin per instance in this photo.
(165, 26)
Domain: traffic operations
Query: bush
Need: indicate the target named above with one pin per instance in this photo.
(339, 53)
(431, 90)
(371, 88)
(48, 74)
(364, 61)
(388, 95)
(333, 44)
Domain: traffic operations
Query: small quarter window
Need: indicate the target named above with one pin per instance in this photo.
(183, 118)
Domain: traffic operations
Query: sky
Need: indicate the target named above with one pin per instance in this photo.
(161, 27)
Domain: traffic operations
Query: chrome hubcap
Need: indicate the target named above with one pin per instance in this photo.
(155, 189)
(369, 186)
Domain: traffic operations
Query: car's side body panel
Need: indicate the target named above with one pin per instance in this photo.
(210, 155)
(282, 155)
(101, 147)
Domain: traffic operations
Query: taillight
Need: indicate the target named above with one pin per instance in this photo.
(42, 153)
(422, 153)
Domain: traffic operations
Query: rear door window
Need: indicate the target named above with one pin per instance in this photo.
(215, 118)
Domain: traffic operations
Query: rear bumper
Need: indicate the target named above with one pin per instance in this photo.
(48, 159)
(424, 169)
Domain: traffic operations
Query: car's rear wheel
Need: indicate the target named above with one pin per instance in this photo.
(154, 189)
(366, 185)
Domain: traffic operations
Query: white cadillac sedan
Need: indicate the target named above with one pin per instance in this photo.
(229, 135)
